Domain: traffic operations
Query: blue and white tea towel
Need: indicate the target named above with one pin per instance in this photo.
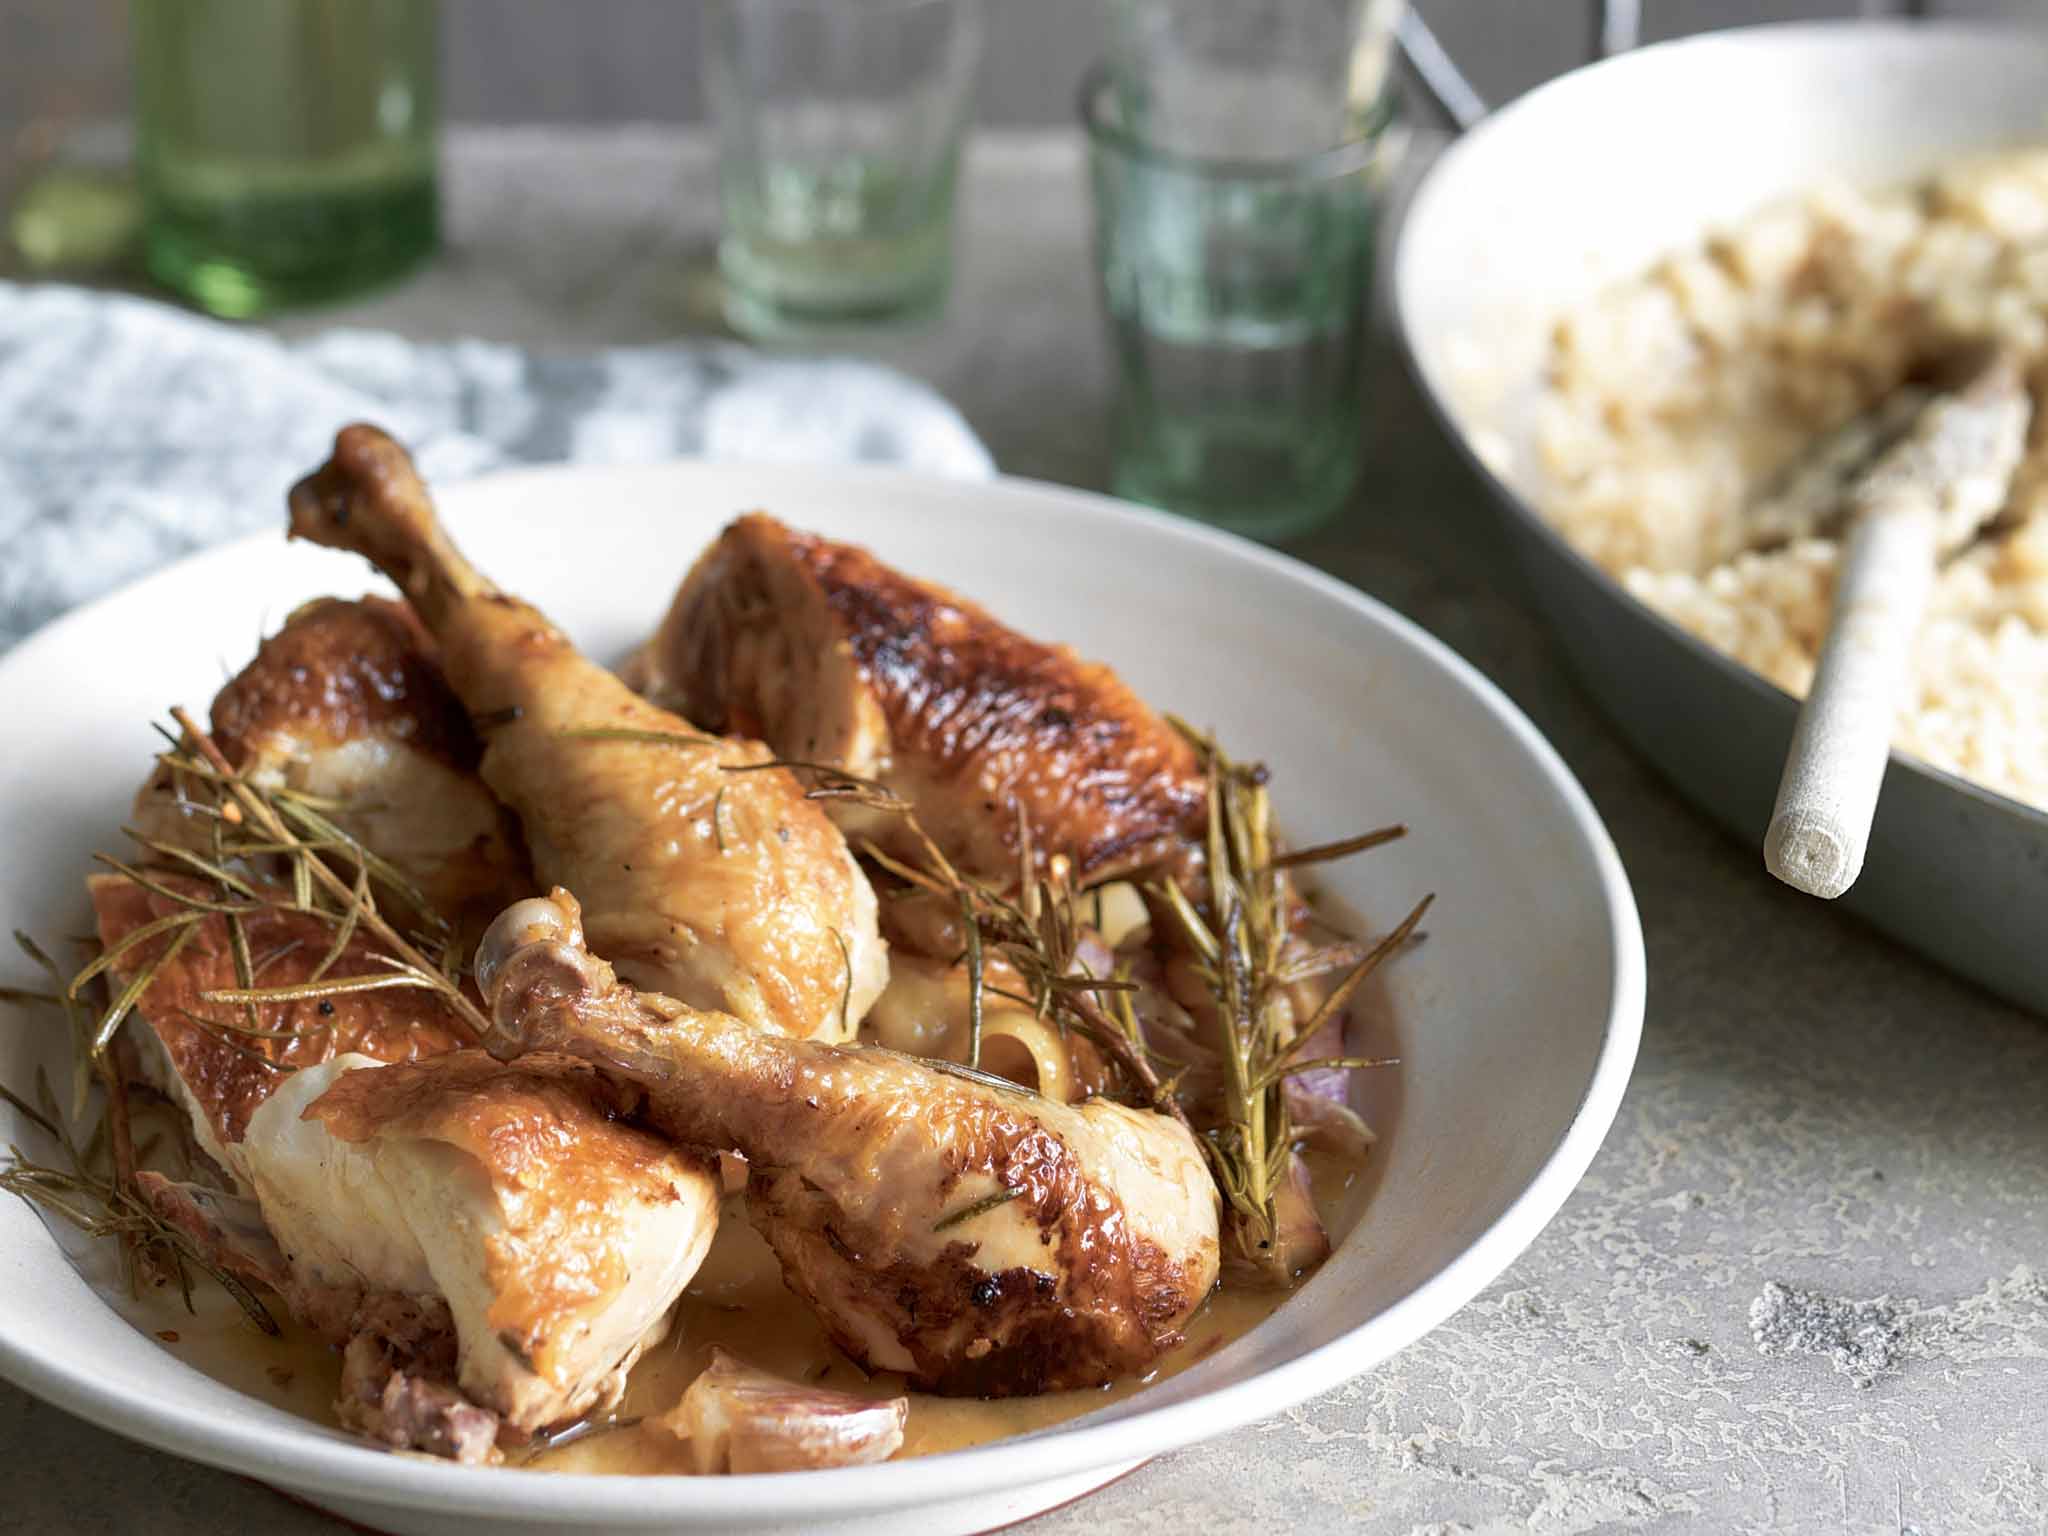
(132, 433)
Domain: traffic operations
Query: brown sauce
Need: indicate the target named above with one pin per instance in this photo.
(736, 1301)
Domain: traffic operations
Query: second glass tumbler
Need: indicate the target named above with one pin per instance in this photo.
(839, 127)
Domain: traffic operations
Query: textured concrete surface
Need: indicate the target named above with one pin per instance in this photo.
(1813, 1108)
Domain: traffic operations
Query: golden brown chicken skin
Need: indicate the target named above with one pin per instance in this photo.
(347, 702)
(198, 1052)
(706, 872)
(829, 655)
(388, 1168)
(338, 669)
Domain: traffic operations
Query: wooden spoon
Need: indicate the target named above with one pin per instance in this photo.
(1926, 495)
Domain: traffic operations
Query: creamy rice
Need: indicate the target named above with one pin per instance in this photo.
(1673, 403)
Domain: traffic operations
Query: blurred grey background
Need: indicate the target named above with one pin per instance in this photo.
(66, 61)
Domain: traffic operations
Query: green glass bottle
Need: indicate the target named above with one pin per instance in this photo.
(285, 148)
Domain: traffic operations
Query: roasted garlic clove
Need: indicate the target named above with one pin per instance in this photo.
(741, 1419)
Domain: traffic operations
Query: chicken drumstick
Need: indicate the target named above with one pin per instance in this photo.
(981, 1240)
(727, 889)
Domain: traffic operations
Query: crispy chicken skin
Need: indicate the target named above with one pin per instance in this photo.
(830, 656)
(193, 1051)
(347, 701)
(728, 889)
(983, 1241)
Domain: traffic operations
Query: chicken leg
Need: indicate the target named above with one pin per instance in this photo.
(707, 875)
(980, 1239)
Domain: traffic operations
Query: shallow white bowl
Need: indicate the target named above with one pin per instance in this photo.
(1517, 1021)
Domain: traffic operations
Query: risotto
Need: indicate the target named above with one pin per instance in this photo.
(1674, 403)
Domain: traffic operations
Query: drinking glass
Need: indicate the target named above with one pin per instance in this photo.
(1236, 155)
(285, 149)
(839, 126)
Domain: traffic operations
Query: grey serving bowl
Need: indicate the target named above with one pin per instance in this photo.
(1589, 179)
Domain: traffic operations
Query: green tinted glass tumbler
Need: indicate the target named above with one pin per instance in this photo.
(839, 129)
(1237, 170)
(285, 148)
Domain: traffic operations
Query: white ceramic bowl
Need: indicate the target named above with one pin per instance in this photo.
(1517, 1021)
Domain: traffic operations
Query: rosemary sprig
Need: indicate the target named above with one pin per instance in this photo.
(367, 861)
(130, 995)
(176, 897)
(1240, 943)
(1037, 934)
(97, 1208)
(105, 1205)
(846, 986)
(958, 1069)
(977, 978)
(974, 1208)
(75, 1016)
(1343, 848)
(343, 932)
(245, 823)
(648, 738)
(306, 991)
(272, 814)
(238, 947)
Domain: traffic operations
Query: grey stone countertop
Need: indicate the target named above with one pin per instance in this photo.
(1813, 1109)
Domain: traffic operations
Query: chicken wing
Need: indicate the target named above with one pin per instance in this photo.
(978, 1238)
(707, 874)
(829, 655)
(347, 702)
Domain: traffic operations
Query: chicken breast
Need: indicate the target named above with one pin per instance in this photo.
(830, 656)
(558, 1237)
(547, 1240)
(347, 702)
(983, 1240)
(705, 871)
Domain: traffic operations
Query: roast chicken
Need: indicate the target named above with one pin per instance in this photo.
(493, 1231)
(830, 656)
(981, 1239)
(486, 1242)
(705, 871)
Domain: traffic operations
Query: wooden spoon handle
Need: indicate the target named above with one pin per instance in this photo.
(1828, 793)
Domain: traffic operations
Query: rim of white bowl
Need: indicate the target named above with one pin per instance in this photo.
(315, 1462)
